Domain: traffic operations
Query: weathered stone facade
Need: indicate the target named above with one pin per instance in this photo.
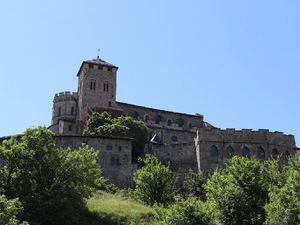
(114, 155)
(186, 141)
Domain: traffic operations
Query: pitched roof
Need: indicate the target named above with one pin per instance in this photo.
(97, 61)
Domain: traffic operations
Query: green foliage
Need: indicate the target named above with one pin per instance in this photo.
(49, 181)
(239, 192)
(154, 182)
(284, 205)
(9, 210)
(96, 120)
(123, 126)
(194, 183)
(188, 211)
(137, 130)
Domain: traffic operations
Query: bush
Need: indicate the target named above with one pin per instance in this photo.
(154, 182)
(9, 209)
(239, 192)
(188, 211)
(284, 205)
(194, 183)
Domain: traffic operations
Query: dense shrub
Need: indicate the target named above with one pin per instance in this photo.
(9, 210)
(194, 183)
(239, 192)
(154, 182)
(188, 211)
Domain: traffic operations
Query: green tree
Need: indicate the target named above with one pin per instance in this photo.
(49, 181)
(96, 120)
(284, 205)
(239, 192)
(154, 182)
(9, 209)
(123, 126)
(194, 183)
(188, 211)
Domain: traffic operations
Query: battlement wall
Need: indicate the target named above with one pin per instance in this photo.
(247, 135)
(65, 96)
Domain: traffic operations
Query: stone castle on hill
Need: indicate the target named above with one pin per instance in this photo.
(185, 141)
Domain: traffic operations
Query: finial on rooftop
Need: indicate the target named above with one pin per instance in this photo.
(98, 53)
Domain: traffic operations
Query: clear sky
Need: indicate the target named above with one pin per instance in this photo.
(235, 62)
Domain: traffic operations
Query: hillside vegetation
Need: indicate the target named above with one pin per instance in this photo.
(115, 209)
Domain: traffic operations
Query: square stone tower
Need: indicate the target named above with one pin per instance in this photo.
(97, 83)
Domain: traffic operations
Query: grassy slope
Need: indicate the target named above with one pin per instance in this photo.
(113, 209)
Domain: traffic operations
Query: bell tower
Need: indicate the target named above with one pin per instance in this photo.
(97, 83)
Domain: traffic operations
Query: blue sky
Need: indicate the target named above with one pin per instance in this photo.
(235, 62)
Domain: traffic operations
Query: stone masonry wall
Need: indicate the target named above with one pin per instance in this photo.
(215, 146)
(114, 155)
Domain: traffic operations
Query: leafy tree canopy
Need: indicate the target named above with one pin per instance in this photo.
(154, 182)
(9, 210)
(45, 178)
(239, 192)
(284, 205)
(123, 126)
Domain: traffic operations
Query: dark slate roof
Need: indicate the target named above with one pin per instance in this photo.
(159, 110)
(97, 61)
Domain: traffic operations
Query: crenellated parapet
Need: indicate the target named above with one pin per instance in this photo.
(65, 108)
(65, 96)
(247, 135)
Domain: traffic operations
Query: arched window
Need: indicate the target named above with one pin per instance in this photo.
(275, 153)
(92, 84)
(146, 118)
(246, 152)
(105, 87)
(174, 138)
(72, 110)
(286, 156)
(109, 103)
(59, 111)
(261, 153)
(136, 115)
(180, 122)
(214, 152)
(229, 153)
(158, 119)
(169, 122)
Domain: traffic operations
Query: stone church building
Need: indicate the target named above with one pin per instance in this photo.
(183, 140)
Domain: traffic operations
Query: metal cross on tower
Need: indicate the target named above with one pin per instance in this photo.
(98, 53)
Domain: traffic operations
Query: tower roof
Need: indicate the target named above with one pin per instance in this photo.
(97, 61)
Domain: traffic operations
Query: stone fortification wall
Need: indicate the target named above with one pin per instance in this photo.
(181, 154)
(181, 157)
(215, 146)
(114, 155)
